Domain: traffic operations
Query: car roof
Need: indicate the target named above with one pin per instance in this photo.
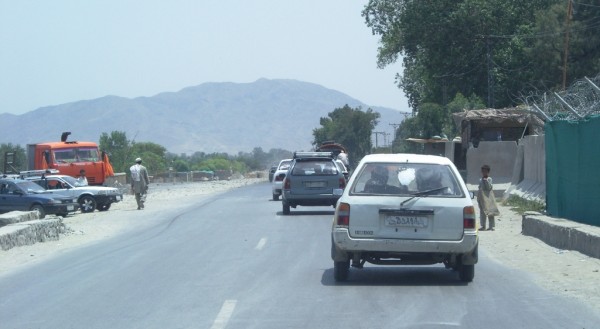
(406, 157)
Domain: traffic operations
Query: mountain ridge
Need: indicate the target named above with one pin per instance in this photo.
(210, 117)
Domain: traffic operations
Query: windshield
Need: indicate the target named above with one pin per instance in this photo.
(73, 181)
(284, 165)
(406, 179)
(76, 154)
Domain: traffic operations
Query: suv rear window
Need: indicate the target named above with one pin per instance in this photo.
(314, 168)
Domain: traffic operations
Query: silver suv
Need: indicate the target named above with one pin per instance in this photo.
(89, 198)
(314, 179)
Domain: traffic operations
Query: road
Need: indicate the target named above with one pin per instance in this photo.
(234, 261)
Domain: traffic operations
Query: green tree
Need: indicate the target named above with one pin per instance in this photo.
(153, 156)
(350, 127)
(117, 146)
(17, 162)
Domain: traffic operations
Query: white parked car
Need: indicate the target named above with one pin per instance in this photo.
(89, 198)
(278, 177)
(405, 209)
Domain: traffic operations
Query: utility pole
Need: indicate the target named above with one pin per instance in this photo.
(566, 54)
(395, 126)
(377, 135)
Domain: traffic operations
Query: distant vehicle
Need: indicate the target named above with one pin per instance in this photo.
(22, 195)
(69, 157)
(278, 177)
(314, 179)
(405, 209)
(339, 151)
(89, 198)
(272, 171)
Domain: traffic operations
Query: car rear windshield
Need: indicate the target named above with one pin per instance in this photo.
(406, 179)
(314, 168)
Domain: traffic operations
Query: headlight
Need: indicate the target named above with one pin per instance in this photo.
(53, 201)
(102, 192)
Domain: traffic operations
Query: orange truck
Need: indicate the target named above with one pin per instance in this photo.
(69, 157)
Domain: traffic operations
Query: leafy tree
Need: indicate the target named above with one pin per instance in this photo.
(19, 159)
(117, 146)
(350, 127)
(153, 156)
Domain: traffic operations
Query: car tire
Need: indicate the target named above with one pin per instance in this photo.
(103, 207)
(87, 204)
(341, 270)
(275, 197)
(39, 209)
(286, 208)
(466, 273)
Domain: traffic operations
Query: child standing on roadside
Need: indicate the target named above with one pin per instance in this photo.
(486, 200)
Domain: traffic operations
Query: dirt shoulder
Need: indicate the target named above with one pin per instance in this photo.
(569, 273)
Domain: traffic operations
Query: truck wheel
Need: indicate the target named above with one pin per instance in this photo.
(341, 270)
(39, 209)
(87, 203)
(103, 207)
(286, 208)
(466, 273)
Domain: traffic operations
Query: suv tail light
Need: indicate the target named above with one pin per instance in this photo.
(342, 183)
(343, 215)
(286, 184)
(469, 217)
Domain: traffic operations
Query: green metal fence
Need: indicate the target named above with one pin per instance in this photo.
(573, 170)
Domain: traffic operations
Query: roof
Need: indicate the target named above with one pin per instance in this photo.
(515, 116)
(405, 157)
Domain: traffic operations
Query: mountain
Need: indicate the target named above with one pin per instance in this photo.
(211, 117)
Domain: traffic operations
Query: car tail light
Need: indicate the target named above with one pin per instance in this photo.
(343, 215)
(287, 184)
(342, 183)
(469, 217)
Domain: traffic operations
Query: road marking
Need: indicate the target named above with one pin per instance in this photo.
(261, 244)
(224, 314)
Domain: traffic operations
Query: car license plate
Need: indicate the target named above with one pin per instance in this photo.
(315, 184)
(406, 221)
(70, 207)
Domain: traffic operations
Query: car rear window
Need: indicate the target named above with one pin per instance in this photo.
(406, 179)
(314, 168)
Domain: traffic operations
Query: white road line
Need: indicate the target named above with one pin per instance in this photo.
(261, 244)
(224, 314)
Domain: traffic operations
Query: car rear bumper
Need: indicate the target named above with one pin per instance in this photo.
(310, 199)
(345, 243)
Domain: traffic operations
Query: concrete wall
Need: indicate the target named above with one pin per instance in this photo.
(529, 173)
(499, 155)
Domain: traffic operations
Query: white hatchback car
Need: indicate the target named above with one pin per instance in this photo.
(278, 177)
(405, 209)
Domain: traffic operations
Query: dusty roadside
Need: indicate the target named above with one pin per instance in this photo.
(569, 273)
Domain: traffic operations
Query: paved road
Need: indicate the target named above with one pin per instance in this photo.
(236, 262)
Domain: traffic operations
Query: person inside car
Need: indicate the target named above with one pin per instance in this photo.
(378, 183)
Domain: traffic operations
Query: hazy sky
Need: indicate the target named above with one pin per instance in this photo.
(59, 51)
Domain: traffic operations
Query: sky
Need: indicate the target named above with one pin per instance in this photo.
(56, 52)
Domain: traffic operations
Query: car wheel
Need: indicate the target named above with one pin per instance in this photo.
(341, 270)
(87, 203)
(286, 208)
(103, 207)
(275, 197)
(39, 209)
(466, 273)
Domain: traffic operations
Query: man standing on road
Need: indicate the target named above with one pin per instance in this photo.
(139, 182)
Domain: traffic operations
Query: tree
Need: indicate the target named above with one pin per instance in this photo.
(117, 146)
(18, 161)
(452, 46)
(153, 156)
(350, 127)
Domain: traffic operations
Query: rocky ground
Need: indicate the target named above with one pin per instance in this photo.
(565, 272)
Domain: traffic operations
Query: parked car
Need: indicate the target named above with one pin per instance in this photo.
(22, 195)
(405, 209)
(314, 179)
(278, 177)
(89, 198)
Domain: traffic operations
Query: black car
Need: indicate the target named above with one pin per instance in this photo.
(22, 195)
